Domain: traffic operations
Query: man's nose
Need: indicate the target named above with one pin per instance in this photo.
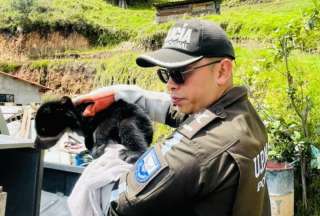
(171, 85)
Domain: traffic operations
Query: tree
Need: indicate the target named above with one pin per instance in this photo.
(296, 36)
(24, 7)
(126, 3)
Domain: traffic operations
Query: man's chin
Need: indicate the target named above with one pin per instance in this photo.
(184, 110)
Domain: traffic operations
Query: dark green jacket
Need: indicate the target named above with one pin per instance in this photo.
(213, 164)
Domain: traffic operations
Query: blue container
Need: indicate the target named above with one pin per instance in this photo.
(280, 181)
(79, 160)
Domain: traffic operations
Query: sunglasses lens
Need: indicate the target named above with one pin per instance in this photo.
(176, 77)
(163, 75)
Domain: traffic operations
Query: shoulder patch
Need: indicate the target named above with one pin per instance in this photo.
(169, 143)
(146, 166)
(197, 121)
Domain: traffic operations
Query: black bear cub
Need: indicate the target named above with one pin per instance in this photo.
(122, 123)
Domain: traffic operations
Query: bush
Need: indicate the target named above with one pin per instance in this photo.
(284, 140)
(151, 38)
(9, 67)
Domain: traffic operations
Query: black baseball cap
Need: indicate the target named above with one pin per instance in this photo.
(187, 42)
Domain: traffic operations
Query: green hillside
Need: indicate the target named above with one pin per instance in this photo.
(107, 39)
(105, 23)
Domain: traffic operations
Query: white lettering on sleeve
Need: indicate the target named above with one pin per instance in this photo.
(260, 163)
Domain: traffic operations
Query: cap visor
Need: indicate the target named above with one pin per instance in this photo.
(168, 58)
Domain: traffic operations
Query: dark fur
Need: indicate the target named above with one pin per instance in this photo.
(122, 123)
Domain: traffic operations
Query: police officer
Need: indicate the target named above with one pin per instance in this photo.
(214, 162)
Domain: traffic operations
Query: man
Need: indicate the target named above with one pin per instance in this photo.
(214, 163)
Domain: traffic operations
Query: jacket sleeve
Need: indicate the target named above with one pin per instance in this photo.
(155, 184)
(156, 104)
(178, 184)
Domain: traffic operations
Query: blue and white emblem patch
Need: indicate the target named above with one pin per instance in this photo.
(147, 165)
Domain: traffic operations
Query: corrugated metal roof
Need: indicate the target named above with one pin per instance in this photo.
(179, 2)
(41, 87)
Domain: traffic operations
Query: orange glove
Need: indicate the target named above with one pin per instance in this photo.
(100, 101)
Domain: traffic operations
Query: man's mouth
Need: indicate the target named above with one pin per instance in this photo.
(176, 100)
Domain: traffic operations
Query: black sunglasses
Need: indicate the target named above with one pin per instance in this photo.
(177, 74)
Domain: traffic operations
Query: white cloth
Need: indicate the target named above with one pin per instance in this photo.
(85, 198)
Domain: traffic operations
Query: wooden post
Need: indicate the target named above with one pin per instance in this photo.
(3, 201)
(24, 131)
(123, 4)
(3, 125)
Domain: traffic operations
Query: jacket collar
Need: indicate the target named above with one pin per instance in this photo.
(195, 122)
(231, 96)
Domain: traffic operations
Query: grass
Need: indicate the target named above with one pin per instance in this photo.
(257, 69)
(122, 69)
(259, 21)
(252, 27)
(9, 67)
(87, 17)
(107, 24)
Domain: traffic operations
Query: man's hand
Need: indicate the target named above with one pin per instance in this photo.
(99, 101)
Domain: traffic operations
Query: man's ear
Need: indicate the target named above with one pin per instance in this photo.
(224, 74)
